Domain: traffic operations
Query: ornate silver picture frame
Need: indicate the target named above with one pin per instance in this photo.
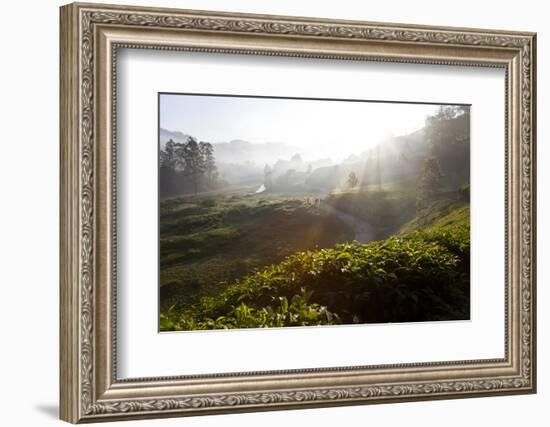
(91, 36)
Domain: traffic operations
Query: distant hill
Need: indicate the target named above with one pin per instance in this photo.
(241, 161)
(176, 136)
(238, 151)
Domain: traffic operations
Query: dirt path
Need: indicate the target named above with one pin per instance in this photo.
(364, 232)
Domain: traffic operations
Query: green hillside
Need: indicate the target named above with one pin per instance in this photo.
(443, 213)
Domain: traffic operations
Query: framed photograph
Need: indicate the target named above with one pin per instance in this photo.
(267, 212)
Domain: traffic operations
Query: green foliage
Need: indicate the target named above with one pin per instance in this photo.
(421, 276)
(299, 312)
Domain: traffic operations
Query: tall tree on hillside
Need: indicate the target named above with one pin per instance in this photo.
(195, 165)
(352, 180)
(169, 155)
(429, 181)
(169, 162)
(210, 168)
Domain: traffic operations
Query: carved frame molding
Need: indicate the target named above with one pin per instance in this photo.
(90, 35)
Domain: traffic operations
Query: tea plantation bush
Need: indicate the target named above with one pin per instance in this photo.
(420, 276)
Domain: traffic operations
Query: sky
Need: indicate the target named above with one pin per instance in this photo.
(318, 128)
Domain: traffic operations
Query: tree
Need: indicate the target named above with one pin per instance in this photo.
(207, 152)
(352, 180)
(187, 166)
(195, 165)
(429, 181)
(169, 167)
(168, 155)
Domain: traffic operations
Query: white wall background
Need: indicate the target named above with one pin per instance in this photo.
(29, 170)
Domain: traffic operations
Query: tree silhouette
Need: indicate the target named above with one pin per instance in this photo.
(167, 167)
(429, 181)
(210, 168)
(169, 156)
(187, 166)
(194, 162)
(352, 180)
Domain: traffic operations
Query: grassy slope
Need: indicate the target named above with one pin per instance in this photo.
(206, 242)
(439, 214)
